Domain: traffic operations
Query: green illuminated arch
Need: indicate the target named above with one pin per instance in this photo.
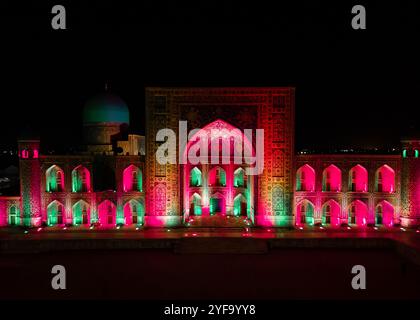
(13, 215)
(80, 178)
(54, 179)
(81, 210)
(217, 203)
(239, 179)
(195, 177)
(239, 205)
(135, 209)
(55, 213)
(306, 209)
(195, 204)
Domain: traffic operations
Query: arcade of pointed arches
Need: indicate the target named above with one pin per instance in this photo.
(355, 213)
(132, 178)
(106, 215)
(80, 212)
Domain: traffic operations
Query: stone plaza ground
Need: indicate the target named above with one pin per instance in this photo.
(205, 263)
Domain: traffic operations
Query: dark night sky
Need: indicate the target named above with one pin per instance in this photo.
(354, 88)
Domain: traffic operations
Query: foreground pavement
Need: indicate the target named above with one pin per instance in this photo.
(209, 240)
(203, 263)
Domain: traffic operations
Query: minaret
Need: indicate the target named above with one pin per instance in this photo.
(30, 182)
(410, 183)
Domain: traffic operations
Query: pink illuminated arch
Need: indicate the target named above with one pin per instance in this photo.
(358, 179)
(132, 179)
(305, 178)
(384, 214)
(216, 133)
(107, 213)
(331, 179)
(81, 179)
(217, 177)
(358, 213)
(385, 179)
(331, 211)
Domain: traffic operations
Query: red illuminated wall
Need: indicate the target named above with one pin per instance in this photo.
(3, 212)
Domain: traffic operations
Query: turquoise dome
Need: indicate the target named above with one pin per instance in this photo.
(106, 108)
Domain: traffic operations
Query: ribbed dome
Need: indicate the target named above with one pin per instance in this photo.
(106, 108)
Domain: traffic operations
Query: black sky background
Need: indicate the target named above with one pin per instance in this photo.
(354, 88)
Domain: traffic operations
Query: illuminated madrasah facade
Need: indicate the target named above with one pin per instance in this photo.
(119, 182)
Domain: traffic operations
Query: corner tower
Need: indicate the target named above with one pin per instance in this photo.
(30, 182)
(410, 183)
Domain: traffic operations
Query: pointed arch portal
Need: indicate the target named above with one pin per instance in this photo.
(133, 213)
(55, 213)
(210, 188)
(305, 213)
(81, 213)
